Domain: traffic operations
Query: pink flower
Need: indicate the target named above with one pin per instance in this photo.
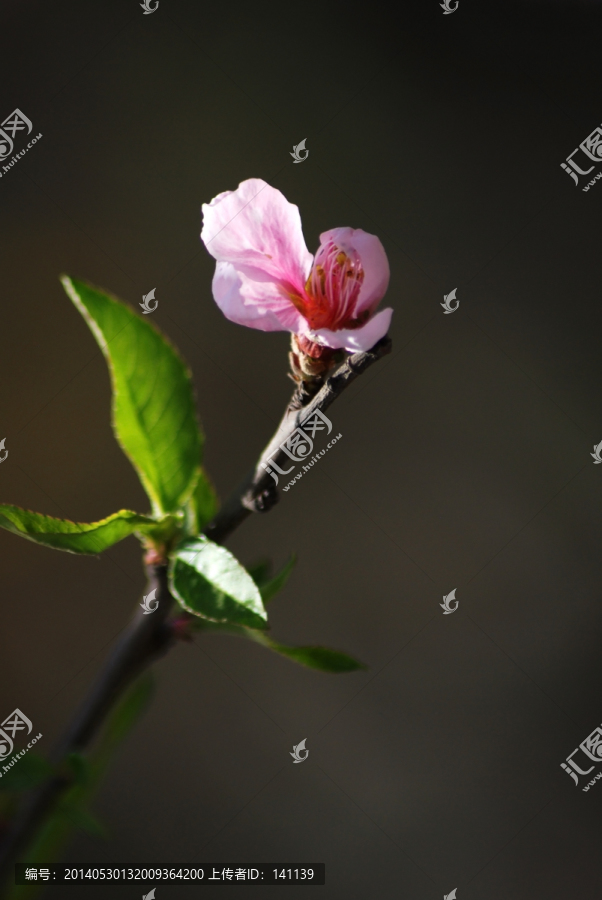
(267, 279)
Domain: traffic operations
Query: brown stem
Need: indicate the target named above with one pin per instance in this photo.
(258, 491)
(147, 638)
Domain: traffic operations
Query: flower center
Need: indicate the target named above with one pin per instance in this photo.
(332, 290)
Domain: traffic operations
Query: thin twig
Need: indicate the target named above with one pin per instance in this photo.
(258, 491)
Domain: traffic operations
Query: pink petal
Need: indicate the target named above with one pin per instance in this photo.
(374, 263)
(255, 226)
(260, 292)
(227, 293)
(354, 339)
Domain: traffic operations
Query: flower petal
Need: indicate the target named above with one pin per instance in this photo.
(227, 293)
(255, 226)
(255, 302)
(373, 259)
(354, 339)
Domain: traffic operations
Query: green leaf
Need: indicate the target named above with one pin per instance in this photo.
(269, 588)
(154, 415)
(209, 582)
(202, 506)
(321, 658)
(75, 537)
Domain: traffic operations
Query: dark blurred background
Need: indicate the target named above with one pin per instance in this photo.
(465, 459)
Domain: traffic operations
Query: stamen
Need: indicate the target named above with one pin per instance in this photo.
(333, 288)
